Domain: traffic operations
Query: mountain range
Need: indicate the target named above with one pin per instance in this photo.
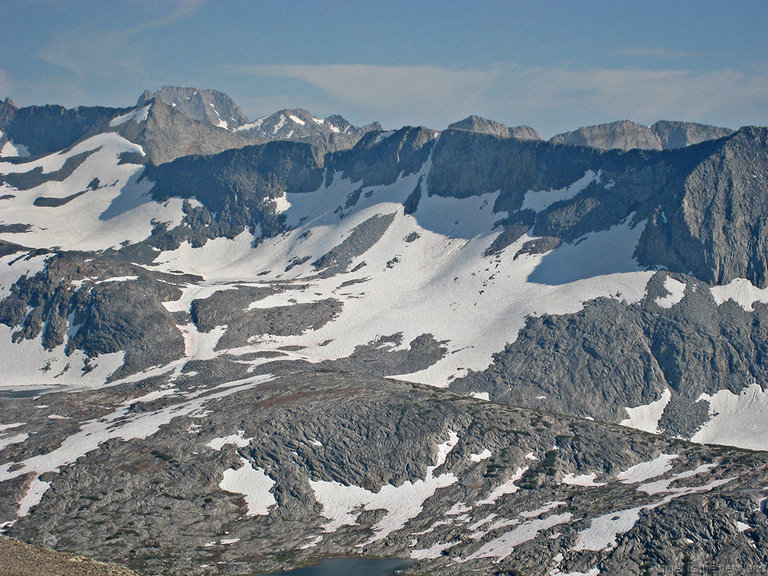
(236, 347)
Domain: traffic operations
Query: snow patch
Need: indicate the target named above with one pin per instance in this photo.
(253, 484)
(503, 546)
(12, 150)
(138, 116)
(741, 291)
(7, 440)
(507, 487)
(33, 497)
(646, 470)
(434, 551)
(542, 199)
(647, 417)
(736, 420)
(582, 480)
(484, 455)
(676, 291)
(238, 440)
(342, 504)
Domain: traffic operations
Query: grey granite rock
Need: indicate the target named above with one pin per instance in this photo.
(626, 135)
(209, 106)
(622, 134)
(155, 504)
(681, 134)
(167, 134)
(475, 123)
(611, 356)
(327, 134)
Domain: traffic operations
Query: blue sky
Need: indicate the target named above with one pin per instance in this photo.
(553, 65)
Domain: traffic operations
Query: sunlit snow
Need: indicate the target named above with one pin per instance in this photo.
(253, 484)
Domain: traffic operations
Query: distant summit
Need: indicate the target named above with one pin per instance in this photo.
(209, 106)
(220, 110)
(300, 124)
(626, 135)
(475, 123)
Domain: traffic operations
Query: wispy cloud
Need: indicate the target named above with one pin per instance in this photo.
(406, 92)
(88, 50)
(646, 95)
(542, 97)
(657, 53)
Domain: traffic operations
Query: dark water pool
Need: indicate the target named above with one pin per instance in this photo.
(349, 567)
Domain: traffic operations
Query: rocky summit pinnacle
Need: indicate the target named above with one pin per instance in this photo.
(210, 106)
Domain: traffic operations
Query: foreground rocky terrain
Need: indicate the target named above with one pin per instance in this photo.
(271, 471)
(19, 559)
(238, 348)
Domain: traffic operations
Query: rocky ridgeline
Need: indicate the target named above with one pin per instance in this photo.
(219, 447)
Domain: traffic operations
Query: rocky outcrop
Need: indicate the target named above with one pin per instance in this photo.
(479, 124)
(19, 559)
(97, 305)
(611, 355)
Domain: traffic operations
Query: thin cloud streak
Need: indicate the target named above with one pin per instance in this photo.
(661, 53)
(84, 51)
(540, 97)
(407, 93)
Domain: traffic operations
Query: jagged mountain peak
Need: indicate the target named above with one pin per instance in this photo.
(210, 106)
(295, 123)
(331, 133)
(475, 123)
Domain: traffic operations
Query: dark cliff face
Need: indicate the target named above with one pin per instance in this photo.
(47, 129)
(239, 185)
(703, 204)
(470, 163)
(380, 157)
